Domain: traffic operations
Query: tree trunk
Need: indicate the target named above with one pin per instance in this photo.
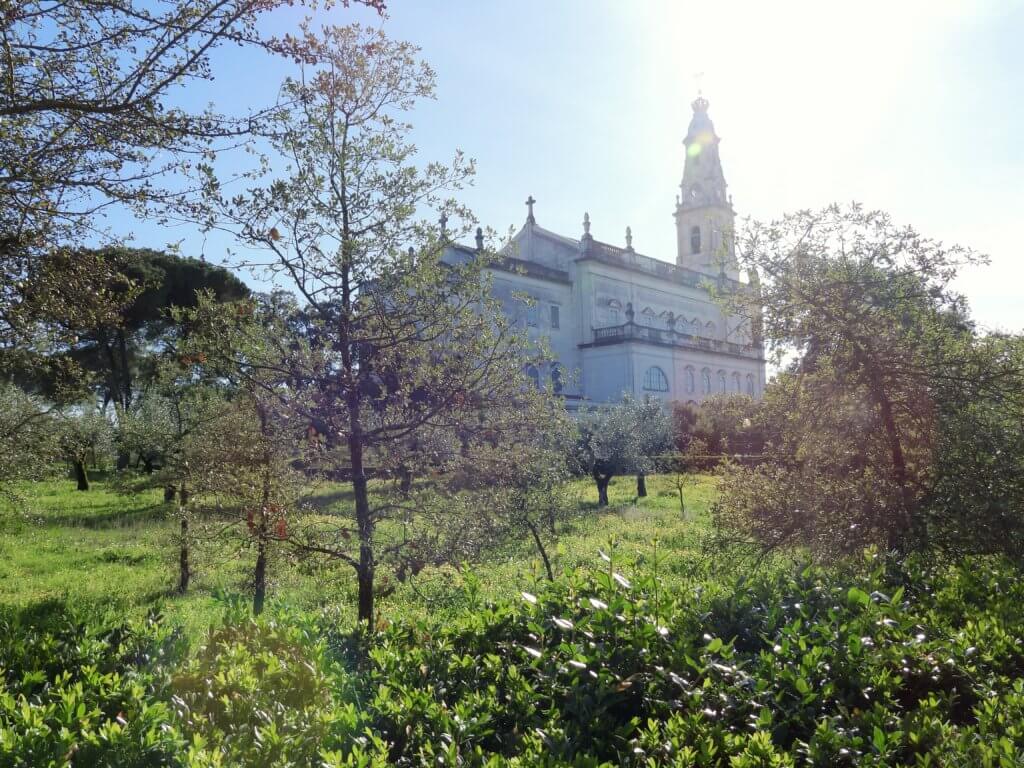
(364, 522)
(81, 475)
(169, 493)
(602, 489)
(259, 593)
(123, 459)
(901, 522)
(540, 548)
(184, 568)
(641, 485)
(260, 577)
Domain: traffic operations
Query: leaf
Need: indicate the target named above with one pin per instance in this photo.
(878, 739)
(858, 596)
(715, 645)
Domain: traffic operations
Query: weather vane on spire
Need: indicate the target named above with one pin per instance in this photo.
(698, 80)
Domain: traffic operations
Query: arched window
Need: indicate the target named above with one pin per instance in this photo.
(721, 381)
(706, 380)
(691, 384)
(655, 380)
(736, 383)
(556, 378)
(709, 330)
(534, 375)
(694, 239)
(647, 317)
(750, 384)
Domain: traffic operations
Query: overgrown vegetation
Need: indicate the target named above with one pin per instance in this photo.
(887, 665)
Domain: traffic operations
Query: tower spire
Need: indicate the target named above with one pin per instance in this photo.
(704, 214)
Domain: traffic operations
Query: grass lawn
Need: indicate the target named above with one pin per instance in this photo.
(111, 553)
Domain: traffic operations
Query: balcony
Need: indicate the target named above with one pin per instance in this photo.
(618, 257)
(618, 334)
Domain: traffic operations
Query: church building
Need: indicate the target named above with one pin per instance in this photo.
(617, 321)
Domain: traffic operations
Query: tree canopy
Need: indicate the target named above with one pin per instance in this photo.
(882, 358)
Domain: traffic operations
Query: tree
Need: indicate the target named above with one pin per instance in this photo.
(247, 465)
(975, 503)
(85, 435)
(730, 424)
(255, 462)
(118, 352)
(399, 347)
(879, 346)
(652, 425)
(92, 118)
(90, 108)
(686, 462)
(620, 439)
(168, 428)
(28, 438)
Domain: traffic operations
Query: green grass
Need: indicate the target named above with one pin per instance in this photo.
(109, 553)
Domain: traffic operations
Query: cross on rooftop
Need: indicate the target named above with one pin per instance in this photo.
(529, 205)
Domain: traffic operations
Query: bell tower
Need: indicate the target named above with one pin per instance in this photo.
(705, 218)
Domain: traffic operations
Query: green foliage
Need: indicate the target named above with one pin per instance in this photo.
(397, 356)
(888, 401)
(618, 439)
(28, 441)
(80, 695)
(900, 665)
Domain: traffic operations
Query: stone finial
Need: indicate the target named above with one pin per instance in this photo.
(479, 238)
(629, 239)
(411, 252)
(586, 225)
(629, 312)
(443, 221)
(529, 210)
(671, 320)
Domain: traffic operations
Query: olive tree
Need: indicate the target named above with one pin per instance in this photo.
(85, 436)
(28, 438)
(625, 438)
(168, 427)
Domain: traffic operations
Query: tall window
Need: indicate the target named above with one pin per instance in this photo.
(706, 380)
(554, 317)
(690, 383)
(556, 378)
(655, 380)
(534, 375)
(736, 383)
(532, 315)
(721, 381)
(694, 239)
(750, 385)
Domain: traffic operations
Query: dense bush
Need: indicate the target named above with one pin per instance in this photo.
(906, 665)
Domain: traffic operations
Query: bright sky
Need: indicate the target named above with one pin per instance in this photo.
(913, 107)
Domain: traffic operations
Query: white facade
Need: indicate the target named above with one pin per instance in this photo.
(619, 322)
